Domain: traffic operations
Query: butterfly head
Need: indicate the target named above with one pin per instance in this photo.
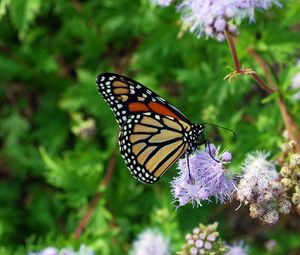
(196, 135)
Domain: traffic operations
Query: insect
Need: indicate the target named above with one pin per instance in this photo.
(153, 133)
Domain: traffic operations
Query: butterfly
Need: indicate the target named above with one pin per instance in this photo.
(153, 133)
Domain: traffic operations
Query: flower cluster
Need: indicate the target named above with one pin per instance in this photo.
(151, 242)
(83, 250)
(203, 240)
(260, 188)
(290, 178)
(213, 17)
(202, 175)
(207, 240)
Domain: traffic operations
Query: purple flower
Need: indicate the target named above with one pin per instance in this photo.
(202, 175)
(206, 241)
(211, 17)
(151, 242)
(237, 249)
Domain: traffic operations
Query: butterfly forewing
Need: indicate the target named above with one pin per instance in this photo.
(151, 143)
(126, 97)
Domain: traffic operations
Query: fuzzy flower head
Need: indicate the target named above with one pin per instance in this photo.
(203, 240)
(203, 175)
(212, 17)
(237, 249)
(258, 173)
(151, 242)
(261, 189)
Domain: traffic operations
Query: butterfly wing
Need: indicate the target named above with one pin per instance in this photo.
(126, 97)
(151, 143)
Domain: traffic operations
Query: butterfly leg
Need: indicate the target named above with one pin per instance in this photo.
(191, 179)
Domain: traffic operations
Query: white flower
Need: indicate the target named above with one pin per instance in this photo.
(162, 3)
(258, 173)
(151, 242)
(237, 249)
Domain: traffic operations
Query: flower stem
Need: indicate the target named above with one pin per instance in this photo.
(239, 70)
(92, 205)
(233, 51)
(293, 131)
(262, 83)
(291, 126)
(263, 65)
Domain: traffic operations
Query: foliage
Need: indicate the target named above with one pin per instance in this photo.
(50, 55)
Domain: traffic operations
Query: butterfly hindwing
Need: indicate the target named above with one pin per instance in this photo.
(151, 143)
(126, 97)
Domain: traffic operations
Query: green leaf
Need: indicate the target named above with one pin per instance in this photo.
(23, 13)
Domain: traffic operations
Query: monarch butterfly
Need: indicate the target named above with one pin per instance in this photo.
(153, 133)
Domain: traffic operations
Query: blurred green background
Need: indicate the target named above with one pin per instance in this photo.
(57, 135)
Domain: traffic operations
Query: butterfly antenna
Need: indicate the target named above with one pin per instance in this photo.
(228, 129)
(210, 153)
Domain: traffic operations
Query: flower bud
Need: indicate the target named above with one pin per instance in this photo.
(296, 198)
(229, 13)
(295, 161)
(287, 183)
(293, 145)
(298, 209)
(256, 211)
(285, 171)
(220, 25)
(285, 206)
(232, 29)
(220, 37)
(270, 217)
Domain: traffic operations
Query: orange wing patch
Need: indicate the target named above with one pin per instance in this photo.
(138, 107)
(162, 110)
(152, 106)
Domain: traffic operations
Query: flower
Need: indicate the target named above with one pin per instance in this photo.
(270, 245)
(150, 242)
(83, 250)
(295, 161)
(212, 17)
(162, 3)
(271, 217)
(237, 249)
(49, 251)
(201, 176)
(203, 240)
(261, 187)
(258, 173)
